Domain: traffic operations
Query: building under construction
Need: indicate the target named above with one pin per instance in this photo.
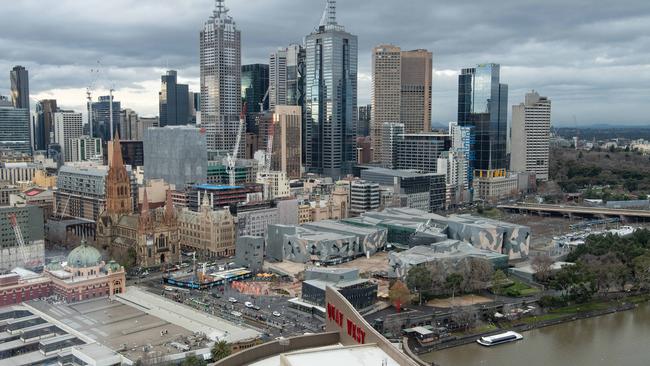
(22, 241)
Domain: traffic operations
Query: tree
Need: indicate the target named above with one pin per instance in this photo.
(499, 282)
(453, 282)
(399, 294)
(477, 275)
(542, 265)
(642, 271)
(193, 360)
(465, 318)
(576, 282)
(220, 350)
(419, 279)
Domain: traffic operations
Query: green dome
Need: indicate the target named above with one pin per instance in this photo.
(84, 256)
(112, 266)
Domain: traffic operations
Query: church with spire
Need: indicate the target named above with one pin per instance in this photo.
(148, 238)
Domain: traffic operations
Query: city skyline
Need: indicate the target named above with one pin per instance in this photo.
(574, 59)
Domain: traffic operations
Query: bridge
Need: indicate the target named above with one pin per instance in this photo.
(566, 210)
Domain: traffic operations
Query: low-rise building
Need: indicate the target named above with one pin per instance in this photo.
(364, 196)
(494, 187)
(443, 257)
(360, 292)
(43, 198)
(210, 233)
(250, 252)
(86, 276)
(327, 241)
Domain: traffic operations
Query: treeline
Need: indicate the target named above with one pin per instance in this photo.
(603, 264)
(623, 171)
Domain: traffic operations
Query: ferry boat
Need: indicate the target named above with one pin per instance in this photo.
(493, 340)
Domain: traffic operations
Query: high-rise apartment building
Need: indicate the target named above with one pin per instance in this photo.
(415, 109)
(288, 131)
(483, 106)
(386, 93)
(19, 77)
(254, 84)
(401, 91)
(286, 76)
(173, 106)
(101, 111)
(14, 129)
(44, 124)
(220, 68)
(330, 97)
(86, 148)
(68, 125)
(531, 129)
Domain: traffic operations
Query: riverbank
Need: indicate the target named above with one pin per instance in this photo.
(619, 338)
(552, 317)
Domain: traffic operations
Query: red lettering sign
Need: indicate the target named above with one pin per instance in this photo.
(354, 331)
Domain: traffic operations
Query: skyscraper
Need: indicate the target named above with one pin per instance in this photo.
(19, 87)
(101, 118)
(288, 126)
(482, 105)
(363, 122)
(531, 128)
(286, 76)
(401, 91)
(385, 97)
(330, 97)
(415, 109)
(14, 129)
(44, 128)
(173, 107)
(254, 84)
(220, 58)
(67, 126)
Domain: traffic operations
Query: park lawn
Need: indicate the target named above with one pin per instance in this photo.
(638, 299)
(519, 289)
(582, 308)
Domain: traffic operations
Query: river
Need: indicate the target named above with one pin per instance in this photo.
(621, 339)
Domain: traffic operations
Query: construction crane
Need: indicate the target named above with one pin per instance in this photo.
(19, 237)
(232, 158)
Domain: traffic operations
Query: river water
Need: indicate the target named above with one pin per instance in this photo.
(620, 339)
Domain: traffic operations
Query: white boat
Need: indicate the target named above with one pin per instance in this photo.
(493, 340)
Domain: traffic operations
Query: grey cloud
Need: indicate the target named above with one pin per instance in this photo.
(578, 52)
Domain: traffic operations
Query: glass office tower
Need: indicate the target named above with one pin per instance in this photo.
(482, 106)
(254, 84)
(330, 97)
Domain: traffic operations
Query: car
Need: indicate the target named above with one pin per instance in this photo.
(256, 307)
(276, 313)
(248, 304)
(232, 300)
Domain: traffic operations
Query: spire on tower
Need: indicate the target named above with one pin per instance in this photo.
(220, 7)
(328, 20)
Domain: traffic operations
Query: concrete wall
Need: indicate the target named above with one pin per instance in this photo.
(269, 349)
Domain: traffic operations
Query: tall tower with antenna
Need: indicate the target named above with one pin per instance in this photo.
(220, 69)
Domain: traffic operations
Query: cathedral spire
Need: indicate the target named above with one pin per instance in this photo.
(118, 183)
(169, 207)
(145, 216)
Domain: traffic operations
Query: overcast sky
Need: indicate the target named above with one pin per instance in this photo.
(592, 58)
